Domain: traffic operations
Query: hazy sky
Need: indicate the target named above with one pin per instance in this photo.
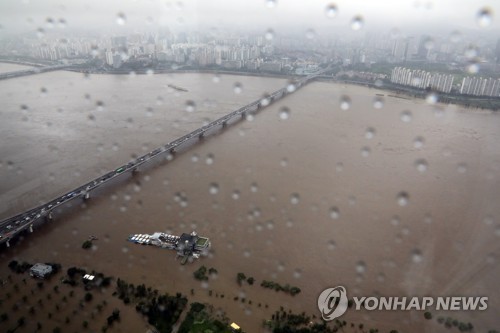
(256, 15)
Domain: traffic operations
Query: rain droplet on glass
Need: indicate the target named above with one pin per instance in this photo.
(421, 165)
(345, 102)
(403, 199)
(214, 188)
(237, 88)
(360, 267)
(190, 106)
(271, 3)
(418, 142)
(295, 198)
(365, 151)
(370, 133)
(416, 256)
(284, 113)
(431, 98)
(406, 116)
(334, 213)
(331, 10)
(378, 102)
(484, 17)
(269, 35)
(121, 18)
(357, 23)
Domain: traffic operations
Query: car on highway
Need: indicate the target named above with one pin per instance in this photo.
(120, 169)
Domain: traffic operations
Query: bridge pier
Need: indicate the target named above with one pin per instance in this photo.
(49, 217)
(31, 227)
(8, 243)
(86, 196)
(224, 124)
(201, 136)
(135, 171)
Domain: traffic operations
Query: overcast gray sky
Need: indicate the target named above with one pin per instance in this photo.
(256, 15)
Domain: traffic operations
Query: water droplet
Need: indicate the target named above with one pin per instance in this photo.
(370, 133)
(209, 159)
(290, 87)
(269, 35)
(365, 151)
(395, 220)
(406, 116)
(484, 17)
(195, 158)
(360, 267)
(429, 43)
(284, 162)
(339, 167)
(421, 165)
(43, 92)
(462, 167)
(394, 33)
(310, 34)
(331, 245)
(235, 195)
(334, 213)
(100, 105)
(254, 187)
(40, 32)
(214, 188)
(357, 23)
(418, 142)
(62, 23)
(345, 102)
(297, 273)
(403, 198)
(216, 79)
(378, 102)
(121, 19)
(295, 198)
(455, 36)
(331, 10)
(237, 88)
(473, 68)
(190, 106)
(431, 98)
(271, 3)
(416, 256)
(284, 113)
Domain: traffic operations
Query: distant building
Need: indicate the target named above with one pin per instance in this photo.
(40, 270)
(109, 58)
(421, 79)
(271, 66)
(117, 60)
(479, 86)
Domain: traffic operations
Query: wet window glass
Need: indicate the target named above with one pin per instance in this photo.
(249, 166)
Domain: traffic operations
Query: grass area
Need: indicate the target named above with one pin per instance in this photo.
(201, 319)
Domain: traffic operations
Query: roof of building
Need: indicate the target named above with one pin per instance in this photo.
(41, 269)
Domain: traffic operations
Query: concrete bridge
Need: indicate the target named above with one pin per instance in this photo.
(27, 221)
(31, 71)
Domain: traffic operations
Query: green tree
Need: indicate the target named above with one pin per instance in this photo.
(240, 277)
